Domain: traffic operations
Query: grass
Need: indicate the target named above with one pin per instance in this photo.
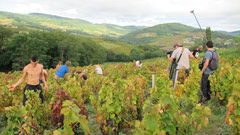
(92, 121)
(216, 125)
(117, 47)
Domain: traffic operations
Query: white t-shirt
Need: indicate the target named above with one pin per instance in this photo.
(184, 60)
(138, 64)
(99, 70)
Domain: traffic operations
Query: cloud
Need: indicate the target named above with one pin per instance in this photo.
(218, 14)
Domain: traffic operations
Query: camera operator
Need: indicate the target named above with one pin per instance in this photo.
(181, 56)
(173, 65)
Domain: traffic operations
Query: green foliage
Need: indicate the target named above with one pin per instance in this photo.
(137, 54)
(50, 47)
(165, 35)
(147, 35)
(237, 40)
(71, 117)
(124, 102)
(208, 34)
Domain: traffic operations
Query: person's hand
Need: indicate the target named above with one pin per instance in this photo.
(12, 88)
(46, 87)
(201, 72)
(168, 56)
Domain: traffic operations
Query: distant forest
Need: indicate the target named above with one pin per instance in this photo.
(18, 45)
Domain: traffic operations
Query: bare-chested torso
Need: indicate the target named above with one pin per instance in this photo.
(33, 73)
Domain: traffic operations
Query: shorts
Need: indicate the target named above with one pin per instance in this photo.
(32, 87)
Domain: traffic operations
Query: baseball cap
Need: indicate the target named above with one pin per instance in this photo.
(175, 45)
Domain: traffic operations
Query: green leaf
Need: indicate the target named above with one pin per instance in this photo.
(67, 103)
(65, 111)
(110, 108)
(151, 123)
(84, 124)
(118, 109)
(112, 116)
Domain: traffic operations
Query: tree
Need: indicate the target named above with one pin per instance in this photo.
(137, 54)
(209, 34)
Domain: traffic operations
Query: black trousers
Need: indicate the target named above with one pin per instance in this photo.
(32, 87)
(205, 86)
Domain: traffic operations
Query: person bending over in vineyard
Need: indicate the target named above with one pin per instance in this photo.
(138, 64)
(81, 75)
(209, 64)
(99, 70)
(196, 52)
(63, 69)
(33, 72)
(181, 55)
(58, 65)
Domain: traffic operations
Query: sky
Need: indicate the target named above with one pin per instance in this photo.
(216, 14)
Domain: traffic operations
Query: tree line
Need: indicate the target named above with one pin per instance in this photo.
(18, 45)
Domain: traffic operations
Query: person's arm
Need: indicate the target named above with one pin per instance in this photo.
(191, 55)
(20, 80)
(46, 74)
(43, 79)
(205, 65)
(171, 59)
(67, 73)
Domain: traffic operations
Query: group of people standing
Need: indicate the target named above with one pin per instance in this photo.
(182, 56)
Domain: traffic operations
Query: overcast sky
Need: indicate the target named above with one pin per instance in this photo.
(217, 14)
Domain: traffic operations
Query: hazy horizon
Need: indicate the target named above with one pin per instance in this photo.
(220, 15)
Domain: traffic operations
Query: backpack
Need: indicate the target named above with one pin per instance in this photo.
(214, 62)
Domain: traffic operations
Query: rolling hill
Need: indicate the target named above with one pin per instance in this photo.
(165, 35)
(48, 22)
(234, 33)
(162, 35)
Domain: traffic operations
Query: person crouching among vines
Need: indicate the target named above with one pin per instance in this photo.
(33, 72)
(81, 74)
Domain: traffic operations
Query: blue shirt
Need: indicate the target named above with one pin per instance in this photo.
(63, 69)
(208, 55)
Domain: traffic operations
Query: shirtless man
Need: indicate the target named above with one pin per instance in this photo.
(33, 72)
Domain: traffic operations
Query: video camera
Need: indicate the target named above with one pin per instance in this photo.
(169, 53)
(173, 65)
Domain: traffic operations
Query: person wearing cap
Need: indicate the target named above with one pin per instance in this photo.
(33, 72)
(196, 52)
(181, 55)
